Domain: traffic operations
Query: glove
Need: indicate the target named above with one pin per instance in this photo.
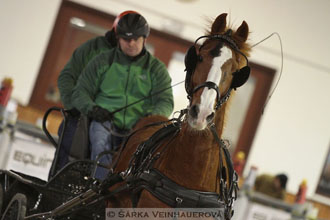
(100, 114)
(73, 113)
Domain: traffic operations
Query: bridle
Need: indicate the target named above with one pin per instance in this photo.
(211, 85)
(191, 59)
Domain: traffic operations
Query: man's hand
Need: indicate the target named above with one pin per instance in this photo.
(100, 114)
(73, 113)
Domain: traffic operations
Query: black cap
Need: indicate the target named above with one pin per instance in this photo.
(130, 24)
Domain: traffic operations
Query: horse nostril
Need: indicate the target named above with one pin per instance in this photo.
(194, 110)
(210, 117)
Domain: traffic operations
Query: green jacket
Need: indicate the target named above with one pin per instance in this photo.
(79, 59)
(112, 80)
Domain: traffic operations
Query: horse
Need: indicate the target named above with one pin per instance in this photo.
(183, 162)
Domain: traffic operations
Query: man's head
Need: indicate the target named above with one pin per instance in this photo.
(281, 180)
(131, 29)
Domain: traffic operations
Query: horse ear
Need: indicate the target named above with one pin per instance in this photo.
(243, 31)
(219, 24)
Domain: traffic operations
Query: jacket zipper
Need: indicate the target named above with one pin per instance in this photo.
(126, 97)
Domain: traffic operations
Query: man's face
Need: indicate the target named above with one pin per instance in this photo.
(277, 183)
(131, 47)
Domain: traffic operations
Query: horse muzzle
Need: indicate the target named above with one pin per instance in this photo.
(199, 118)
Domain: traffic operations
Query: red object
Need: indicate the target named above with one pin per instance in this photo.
(122, 15)
(238, 166)
(5, 91)
(301, 194)
(239, 162)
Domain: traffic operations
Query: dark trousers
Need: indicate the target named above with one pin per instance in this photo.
(65, 145)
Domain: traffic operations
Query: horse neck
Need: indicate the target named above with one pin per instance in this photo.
(219, 119)
(192, 159)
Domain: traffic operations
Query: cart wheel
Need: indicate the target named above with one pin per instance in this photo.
(16, 208)
(1, 197)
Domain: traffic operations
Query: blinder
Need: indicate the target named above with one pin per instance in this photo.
(239, 77)
(190, 62)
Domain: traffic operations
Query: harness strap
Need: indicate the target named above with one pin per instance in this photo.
(209, 85)
(144, 155)
(173, 194)
(112, 179)
(231, 178)
(114, 164)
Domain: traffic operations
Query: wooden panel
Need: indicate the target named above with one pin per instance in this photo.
(64, 39)
(264, 77)
(32, 115)
(324, 210)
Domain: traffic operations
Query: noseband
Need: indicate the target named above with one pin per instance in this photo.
(212, 85)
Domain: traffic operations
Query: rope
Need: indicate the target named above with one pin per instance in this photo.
(281, 68)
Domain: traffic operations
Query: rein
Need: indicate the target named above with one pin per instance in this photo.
(227, 195)
(146, 97)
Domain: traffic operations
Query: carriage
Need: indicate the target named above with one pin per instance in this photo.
(22, 196)
(176, 163)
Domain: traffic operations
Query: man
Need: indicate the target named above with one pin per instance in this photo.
(115, 79)
(273, 186)
(67, 81)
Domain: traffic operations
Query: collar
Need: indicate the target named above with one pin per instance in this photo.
(110, 37)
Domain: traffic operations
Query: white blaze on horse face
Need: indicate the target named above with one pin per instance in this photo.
(206, 106)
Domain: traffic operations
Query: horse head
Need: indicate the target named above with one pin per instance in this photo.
(213, 69)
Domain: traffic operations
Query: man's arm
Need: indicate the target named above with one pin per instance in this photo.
(81, 56)
(68, 78)
(85, 91)
(161, 83)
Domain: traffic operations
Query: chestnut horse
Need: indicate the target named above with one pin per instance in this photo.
(183, 162)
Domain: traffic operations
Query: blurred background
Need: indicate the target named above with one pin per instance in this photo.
(288, 133)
